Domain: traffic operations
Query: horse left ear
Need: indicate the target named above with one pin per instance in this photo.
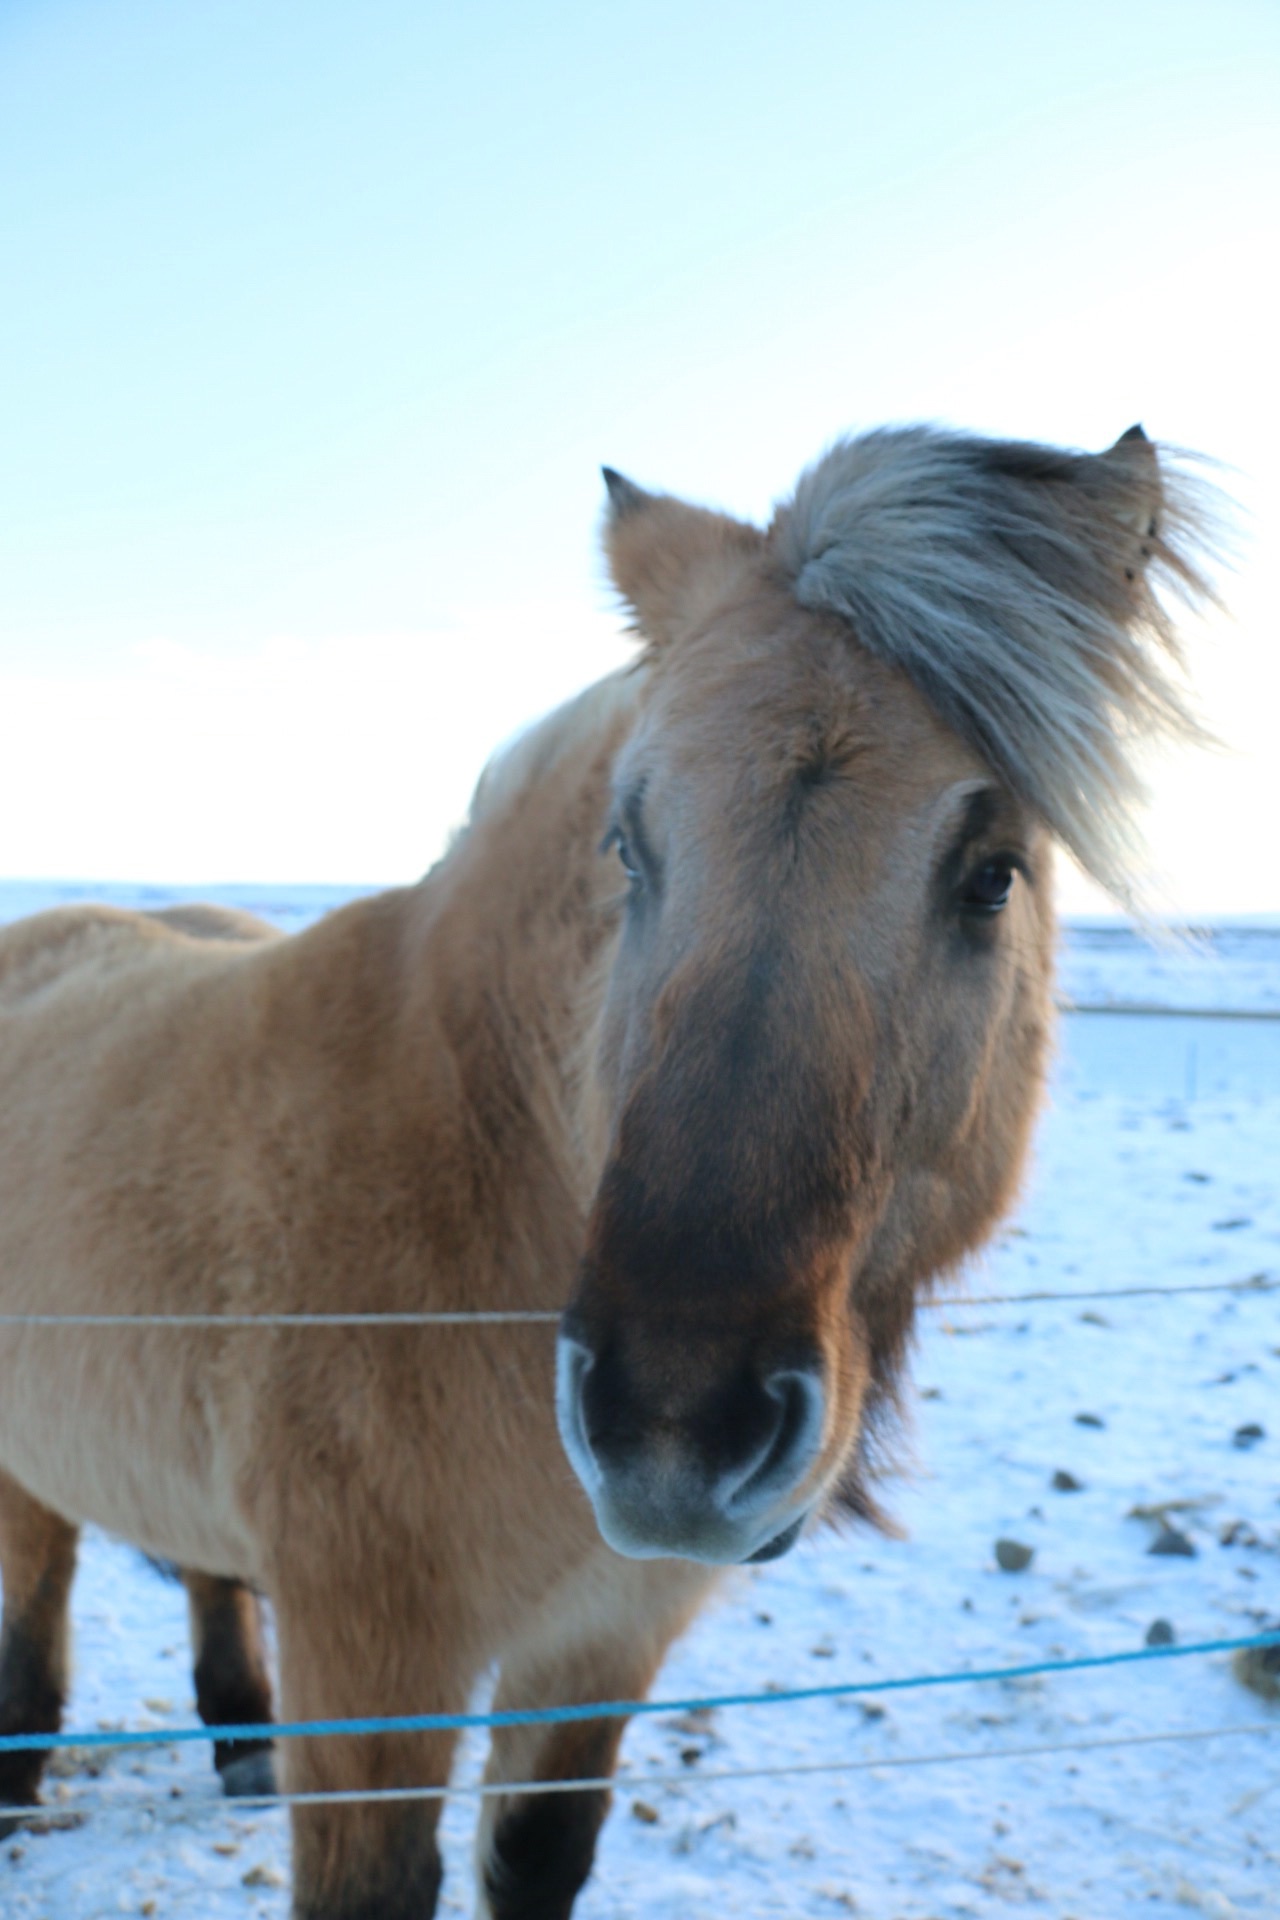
(1136, 496)
(669, 560)
(624, 495)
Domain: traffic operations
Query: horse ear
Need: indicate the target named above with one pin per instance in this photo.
(624, 495)
(669, 560)
(1135, 496)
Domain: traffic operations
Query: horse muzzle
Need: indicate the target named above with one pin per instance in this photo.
(729, 1481)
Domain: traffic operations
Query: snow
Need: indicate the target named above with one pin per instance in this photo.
(1156, 1166)
(1232, 965)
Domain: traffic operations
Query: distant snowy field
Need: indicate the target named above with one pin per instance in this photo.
(1158, 1164)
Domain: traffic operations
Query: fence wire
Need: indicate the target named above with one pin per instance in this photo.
(629, 1782)
(549, 1316)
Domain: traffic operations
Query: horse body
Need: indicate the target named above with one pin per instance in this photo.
(379, 1115)
(737, 1103)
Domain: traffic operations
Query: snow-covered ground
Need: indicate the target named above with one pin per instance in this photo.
(1158, 1165)
(1233, 964)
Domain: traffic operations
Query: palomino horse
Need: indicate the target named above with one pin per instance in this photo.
(724, 1023)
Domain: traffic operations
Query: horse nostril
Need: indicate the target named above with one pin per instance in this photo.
(800, 1397)
(786, 1451)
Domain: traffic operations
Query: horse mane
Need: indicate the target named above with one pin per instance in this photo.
(538, 749)
(1019, 586)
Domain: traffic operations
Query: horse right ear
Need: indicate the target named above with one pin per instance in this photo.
(668, 560)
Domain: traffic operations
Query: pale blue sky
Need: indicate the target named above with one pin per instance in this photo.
(318, 320)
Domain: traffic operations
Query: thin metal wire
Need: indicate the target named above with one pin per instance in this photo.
(482, 1318)
(406, 1723)
(1151, 1010)
(519, 1316)
(1256, 1283)
(628, 1782)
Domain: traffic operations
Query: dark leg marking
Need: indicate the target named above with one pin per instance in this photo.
(541, 1854)
(232, 1685)
(31, 1700)
(38, 1558)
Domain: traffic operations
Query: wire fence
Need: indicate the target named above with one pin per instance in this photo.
(596, 1710)
(402, 1724)
(549, 1316)
(710, 1776)
(1152, 1010)
(410, 1723)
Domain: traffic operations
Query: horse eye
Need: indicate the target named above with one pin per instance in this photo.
(627, 860)
(989, 887)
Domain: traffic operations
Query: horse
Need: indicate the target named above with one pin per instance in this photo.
(718, 1032)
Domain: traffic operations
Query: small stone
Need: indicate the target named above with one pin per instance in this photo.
(690, 1755)
(1013, 1557)
(699, 1721)
(1249, 1434)
(1092, 1319)
(37, 1820)
(265, 1876)
(1161, 1634)
(641, 1810)
(1230, 1226)
(1258, 1668)
(1064, 1482)
(1172, 1541)
(1089, 1420)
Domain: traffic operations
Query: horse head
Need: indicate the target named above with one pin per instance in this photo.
(825, 1025)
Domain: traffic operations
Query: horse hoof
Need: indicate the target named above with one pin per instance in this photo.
(252, 1775)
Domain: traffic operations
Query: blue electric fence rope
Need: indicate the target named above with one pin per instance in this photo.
(613, 1709)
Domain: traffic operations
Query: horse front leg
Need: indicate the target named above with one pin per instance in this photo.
(233, 1687)
(37, 1565)
(349, 1651)
(600, 1637)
